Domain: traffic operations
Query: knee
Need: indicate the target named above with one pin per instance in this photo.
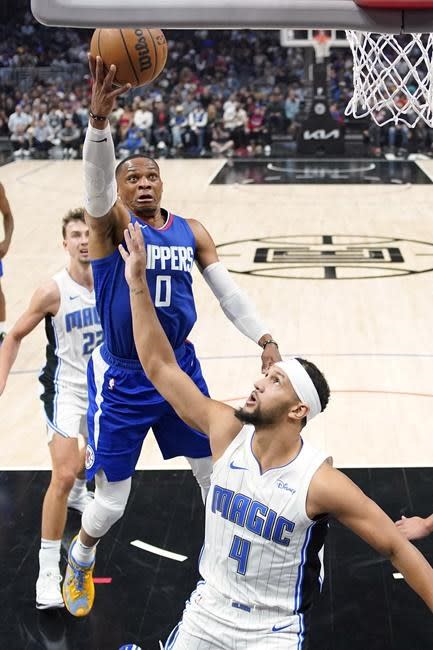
(99, 517)
(106, 508)
(63, 480)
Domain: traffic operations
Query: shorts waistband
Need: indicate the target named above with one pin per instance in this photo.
(130, 364)
(244, 605)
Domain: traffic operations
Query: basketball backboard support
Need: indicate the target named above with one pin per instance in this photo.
(305, 37)
(265, 14)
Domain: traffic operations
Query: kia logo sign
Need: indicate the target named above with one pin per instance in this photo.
(321, 134)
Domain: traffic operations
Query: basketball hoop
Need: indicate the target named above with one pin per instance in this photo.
(392, 78)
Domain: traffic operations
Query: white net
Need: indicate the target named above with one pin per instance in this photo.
(393, 77)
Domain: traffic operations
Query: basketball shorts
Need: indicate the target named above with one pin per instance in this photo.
(213, 622)
(65, 411)
(123, 405)
(1, 269)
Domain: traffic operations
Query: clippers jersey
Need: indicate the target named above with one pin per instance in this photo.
(72, 335)
(170, 258)
(261, 550)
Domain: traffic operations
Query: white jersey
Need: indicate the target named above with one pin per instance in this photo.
(261, 549)
(72, 335)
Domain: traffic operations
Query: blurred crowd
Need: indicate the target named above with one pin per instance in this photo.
(223, 92)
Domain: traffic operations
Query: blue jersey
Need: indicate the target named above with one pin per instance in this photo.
(170, 257)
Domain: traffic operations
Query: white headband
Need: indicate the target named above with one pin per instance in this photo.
(302, 385)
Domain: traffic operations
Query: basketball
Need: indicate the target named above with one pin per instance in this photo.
(139, 54)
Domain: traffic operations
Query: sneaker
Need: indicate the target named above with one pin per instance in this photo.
(48, 594)
(78, 587)
(80, 502)
(2, 337)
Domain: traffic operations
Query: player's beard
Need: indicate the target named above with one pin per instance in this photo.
(258, 418)
(255, 417)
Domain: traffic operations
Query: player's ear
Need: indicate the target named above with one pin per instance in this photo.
(298, 411)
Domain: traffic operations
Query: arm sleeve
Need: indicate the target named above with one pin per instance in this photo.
(234, 302)
(99, 179)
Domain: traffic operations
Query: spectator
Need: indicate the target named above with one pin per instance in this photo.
(20, 141)
(143, 119)
(292, 105)
(220, 140)
(19, 121)
(178, 125)
(275, 114)
(70, 138)
(197, 121)
(133, 143)
(125, 121)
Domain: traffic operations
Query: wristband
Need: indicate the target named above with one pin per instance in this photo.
(98, 118)
(269, 341)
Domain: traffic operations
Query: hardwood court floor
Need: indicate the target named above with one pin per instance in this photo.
(370, 335)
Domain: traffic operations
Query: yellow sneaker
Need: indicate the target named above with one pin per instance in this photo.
(78, 587)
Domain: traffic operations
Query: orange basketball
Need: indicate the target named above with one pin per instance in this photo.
(139, 54)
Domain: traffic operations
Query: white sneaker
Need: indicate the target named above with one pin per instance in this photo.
(80, 502)
(48, 593)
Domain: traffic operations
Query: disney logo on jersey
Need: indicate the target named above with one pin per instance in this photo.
(284, 486)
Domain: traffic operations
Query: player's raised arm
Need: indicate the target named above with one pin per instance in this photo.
(234, 302)
(44, 301)
(332, 492)
(158, 360)
(106, 217)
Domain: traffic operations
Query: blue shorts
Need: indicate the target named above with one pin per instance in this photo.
(123, 405)
(1, 269)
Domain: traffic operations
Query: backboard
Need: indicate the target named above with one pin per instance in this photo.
(265, 14)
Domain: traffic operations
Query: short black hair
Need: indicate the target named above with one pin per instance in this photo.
(319, 381)
(132, 157)
(76, 214)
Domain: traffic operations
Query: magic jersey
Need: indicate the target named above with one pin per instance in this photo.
(170, 258)
(72, 335)
(261, 549)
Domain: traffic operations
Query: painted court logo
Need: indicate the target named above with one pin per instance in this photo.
(328, 257)
(90, 457)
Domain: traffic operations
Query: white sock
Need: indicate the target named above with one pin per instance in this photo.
(3, 326)
(83, 554)
(49, 555)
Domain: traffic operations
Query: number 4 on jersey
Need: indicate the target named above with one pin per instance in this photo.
(240, 551)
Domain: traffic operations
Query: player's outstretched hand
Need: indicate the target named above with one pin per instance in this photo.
(413, 527)
(134, 255)
(103, 91)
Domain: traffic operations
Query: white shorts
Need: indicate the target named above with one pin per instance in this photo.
(213, 622)
(68, 413)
